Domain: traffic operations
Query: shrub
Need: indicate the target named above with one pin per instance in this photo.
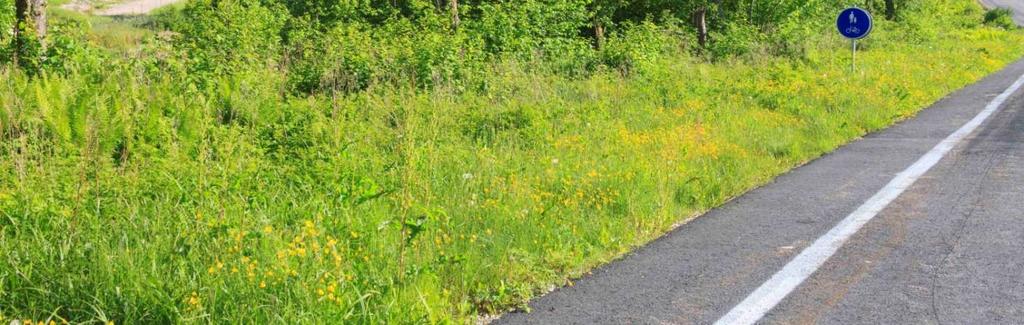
(735, 40)
(1000, 17)
(225, 36)
(638, 46)
(65, 50)
(523, 27)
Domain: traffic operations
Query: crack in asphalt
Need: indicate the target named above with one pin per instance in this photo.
(978, 186)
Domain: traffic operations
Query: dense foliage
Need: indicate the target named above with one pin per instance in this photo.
(380, 162)
(350, 45)
(1000, 17)
(327, 46)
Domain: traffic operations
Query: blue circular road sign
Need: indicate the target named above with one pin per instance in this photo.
(854, 23)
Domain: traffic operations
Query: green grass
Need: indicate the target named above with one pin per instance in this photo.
(123, 35)
(120, 34)
(131, 198)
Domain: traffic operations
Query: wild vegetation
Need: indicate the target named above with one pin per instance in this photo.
(418, 161)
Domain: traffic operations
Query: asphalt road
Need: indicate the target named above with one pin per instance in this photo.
(949, 249)
(1016, 5)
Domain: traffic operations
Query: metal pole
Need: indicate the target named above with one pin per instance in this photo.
(853, 65)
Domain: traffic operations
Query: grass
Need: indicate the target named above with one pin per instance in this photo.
(135, 199)
(122, 35)
(119, 34)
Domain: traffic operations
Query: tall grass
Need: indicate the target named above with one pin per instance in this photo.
(131, 198)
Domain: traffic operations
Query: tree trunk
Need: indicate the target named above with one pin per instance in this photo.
(750, 12)
(890, 9)
(28, 13)
(598, 34)
(20, 17)
(38, 9)
(700, 22)
(453, 5)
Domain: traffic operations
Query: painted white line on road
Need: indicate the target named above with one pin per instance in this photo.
(770, 293)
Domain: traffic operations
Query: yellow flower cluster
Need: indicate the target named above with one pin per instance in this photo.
(193, 300)
(308, 253)
(634, 139)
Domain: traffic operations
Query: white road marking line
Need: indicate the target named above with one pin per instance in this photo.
(769, 294)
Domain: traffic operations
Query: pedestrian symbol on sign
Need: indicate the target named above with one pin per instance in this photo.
(854, 24)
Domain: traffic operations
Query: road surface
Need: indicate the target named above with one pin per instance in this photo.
(1016, 5)
(948, 248)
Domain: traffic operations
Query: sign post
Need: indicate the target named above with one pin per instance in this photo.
(854, 23)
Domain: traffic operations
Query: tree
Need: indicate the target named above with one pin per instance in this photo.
(890, 9)
(38, 13)
(604, 12)
(699, 18)
(20, 10)
(453, 6)
(700, 22)
(28, 13)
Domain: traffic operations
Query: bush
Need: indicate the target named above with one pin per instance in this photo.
(222, 37)
(353, 57)
(736, 40)
(523, 27)
(66, 49)
(1000, 17)
(639, 46)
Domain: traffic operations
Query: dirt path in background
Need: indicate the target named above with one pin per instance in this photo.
(129, 8)
(135, 7)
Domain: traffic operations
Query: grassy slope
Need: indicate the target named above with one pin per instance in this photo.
(133, 199)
